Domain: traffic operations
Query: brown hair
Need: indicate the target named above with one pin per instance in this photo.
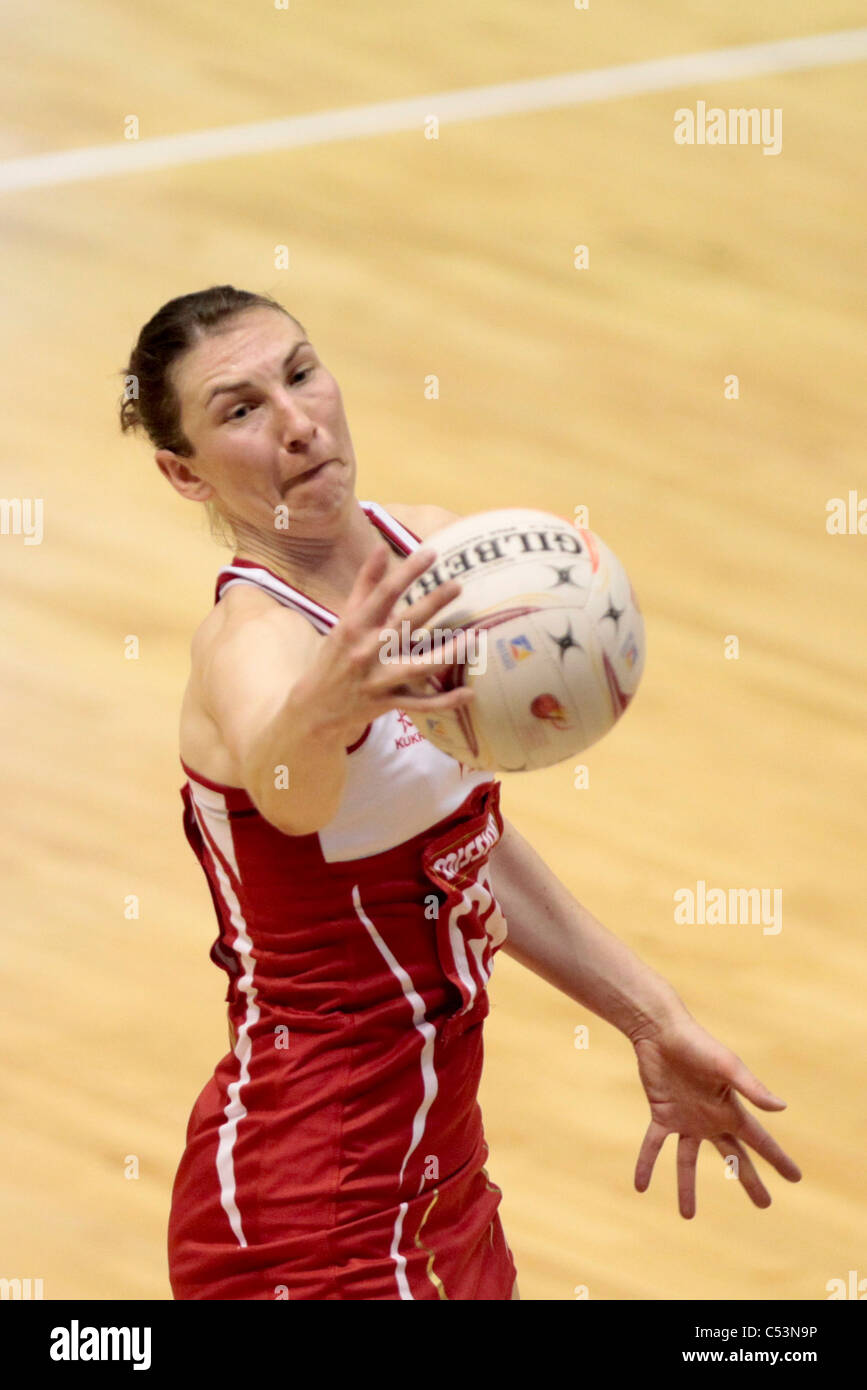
(149, 400)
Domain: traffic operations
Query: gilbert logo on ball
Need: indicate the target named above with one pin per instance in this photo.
(564, 639)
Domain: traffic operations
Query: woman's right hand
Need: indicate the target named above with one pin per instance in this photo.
(353, 678)
(287, 702)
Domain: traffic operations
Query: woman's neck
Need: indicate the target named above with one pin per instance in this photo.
(323, 567)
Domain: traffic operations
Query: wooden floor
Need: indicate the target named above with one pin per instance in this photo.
(559, 387)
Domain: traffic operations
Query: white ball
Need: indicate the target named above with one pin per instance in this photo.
(550, 635)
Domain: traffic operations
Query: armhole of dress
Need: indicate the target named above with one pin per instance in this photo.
(358, 742)
(383, 518)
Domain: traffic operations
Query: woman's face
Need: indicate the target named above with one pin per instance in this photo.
(267, 424)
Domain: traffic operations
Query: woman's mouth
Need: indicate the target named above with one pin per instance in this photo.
(311, 472)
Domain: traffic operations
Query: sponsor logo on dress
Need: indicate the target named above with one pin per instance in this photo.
(410, 735)
(450, 864)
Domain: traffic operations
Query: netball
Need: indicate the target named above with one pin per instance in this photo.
(548, 634)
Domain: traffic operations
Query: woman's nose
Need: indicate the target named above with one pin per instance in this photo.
(295, 426)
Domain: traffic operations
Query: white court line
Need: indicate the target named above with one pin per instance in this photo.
(470, 104)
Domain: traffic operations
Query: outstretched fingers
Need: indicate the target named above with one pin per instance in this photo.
(755, 1090)
(379, 599)
(687, 1157)
(648, 1154)
(414, 668)
(752, 1133)
(745, 1169)
(431, 702)
(425, 607)
(371, 572)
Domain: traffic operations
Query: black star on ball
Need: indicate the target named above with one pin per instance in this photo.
(564, 576)
(614, 613)
(565, 642)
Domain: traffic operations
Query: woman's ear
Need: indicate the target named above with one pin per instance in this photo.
(182, 477)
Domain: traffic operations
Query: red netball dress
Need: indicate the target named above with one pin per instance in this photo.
(338, 1150)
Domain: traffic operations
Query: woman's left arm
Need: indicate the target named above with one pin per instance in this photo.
(555, 937)
(689, 1078)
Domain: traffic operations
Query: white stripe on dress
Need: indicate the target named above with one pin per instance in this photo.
(322, 618)
(234, 1110)
(428, 1073)
(391, 523)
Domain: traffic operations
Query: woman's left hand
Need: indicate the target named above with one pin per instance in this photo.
(691, 1080)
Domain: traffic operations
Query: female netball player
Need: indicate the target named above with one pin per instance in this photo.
(362, 879)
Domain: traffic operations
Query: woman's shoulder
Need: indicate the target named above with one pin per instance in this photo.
(421, 519)
(248, 609)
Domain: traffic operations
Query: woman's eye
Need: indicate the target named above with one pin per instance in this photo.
(301, 375)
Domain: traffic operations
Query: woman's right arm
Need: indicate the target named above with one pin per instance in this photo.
(287, 702)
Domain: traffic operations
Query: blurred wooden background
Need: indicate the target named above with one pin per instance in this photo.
(559, 387)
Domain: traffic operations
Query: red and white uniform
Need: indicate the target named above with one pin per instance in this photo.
(338, 1150)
